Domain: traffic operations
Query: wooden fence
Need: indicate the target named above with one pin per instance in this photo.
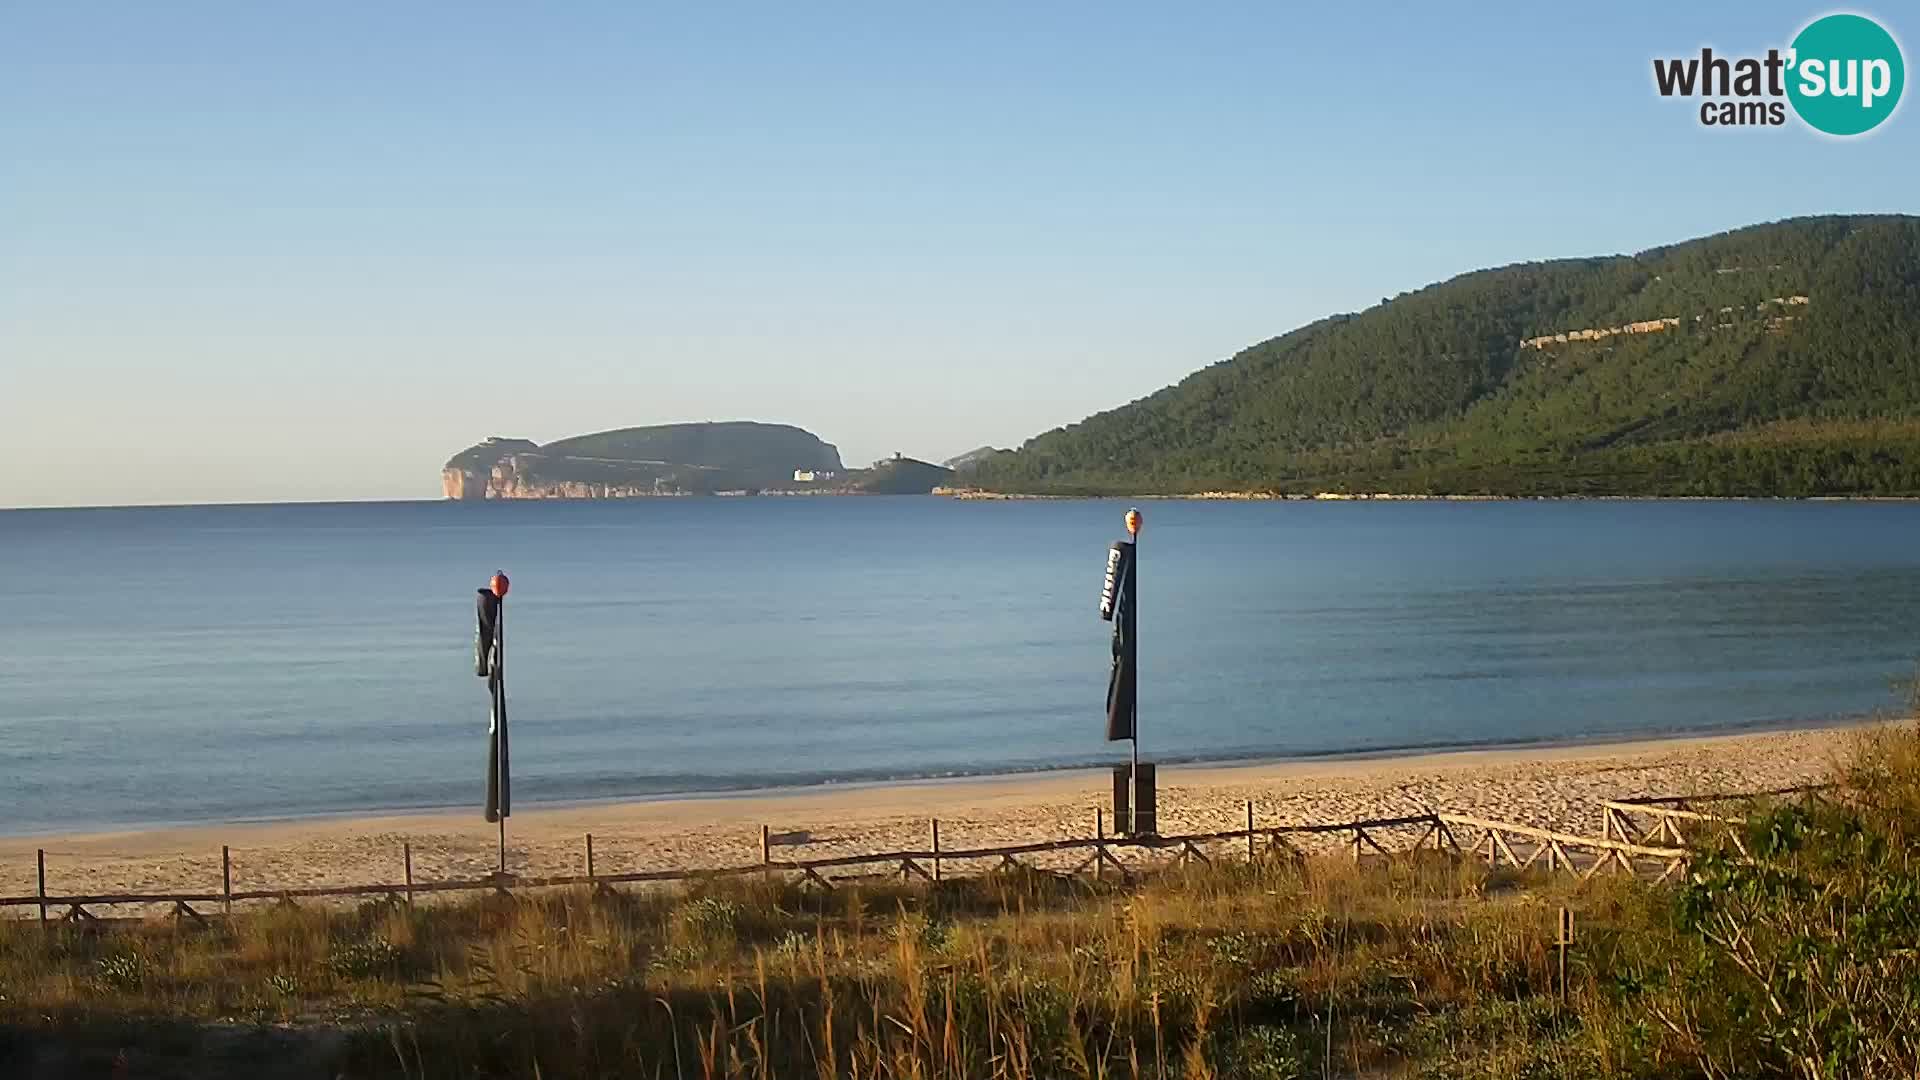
(1560, 850)
(1681, 820)
(1504, 842)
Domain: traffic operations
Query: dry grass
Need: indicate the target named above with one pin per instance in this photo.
(1276, 969)
(1426, 967)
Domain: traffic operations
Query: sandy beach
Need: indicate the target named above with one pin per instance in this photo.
(1557, 787)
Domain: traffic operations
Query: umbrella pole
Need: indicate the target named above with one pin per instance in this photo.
(500, 718)
(499, 757)
(1133, 786)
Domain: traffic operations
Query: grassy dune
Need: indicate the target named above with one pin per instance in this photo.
(1798, 962)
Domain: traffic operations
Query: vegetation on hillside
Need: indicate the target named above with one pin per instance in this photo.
(741, 446)
(1795, 962)
(899, 476)
(1751, 392)
(697, 458)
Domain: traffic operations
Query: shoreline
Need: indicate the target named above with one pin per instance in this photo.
(982, 495)
(1092, 773)
(978, 495)
(1544, 786)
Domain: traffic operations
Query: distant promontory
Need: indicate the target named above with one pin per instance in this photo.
(740, 457)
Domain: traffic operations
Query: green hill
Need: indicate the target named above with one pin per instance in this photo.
(759, 453)
(966, 461)
(1781, 359)
(677, 459)
(665, 459)
(900, 476)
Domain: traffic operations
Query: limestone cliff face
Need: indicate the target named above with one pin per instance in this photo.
(469, 473)
(458, 483)
(1722, 320)
(522, 476)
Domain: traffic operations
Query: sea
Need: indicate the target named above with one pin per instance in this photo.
(232, 663)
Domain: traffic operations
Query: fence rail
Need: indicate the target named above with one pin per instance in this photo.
(1679, 819)
(1558, 848)
(1685, 801)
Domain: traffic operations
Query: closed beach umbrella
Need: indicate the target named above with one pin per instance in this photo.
(489, 649)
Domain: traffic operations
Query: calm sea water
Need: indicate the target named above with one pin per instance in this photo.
(219, 663)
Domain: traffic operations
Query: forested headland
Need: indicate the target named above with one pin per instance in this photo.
(1777, 360)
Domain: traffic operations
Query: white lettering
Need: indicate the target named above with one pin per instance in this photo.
(1879, 80)
(1847, 87)
(1813, 77)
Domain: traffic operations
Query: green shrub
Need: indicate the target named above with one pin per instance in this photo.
(1808, 963)
(932, 935)
(367, 958)
(708, 921)
(122, 971)
(1261, 1052)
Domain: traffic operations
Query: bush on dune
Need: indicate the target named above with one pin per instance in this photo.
(1807, 963)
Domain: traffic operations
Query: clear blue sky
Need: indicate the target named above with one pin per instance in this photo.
(306, 251)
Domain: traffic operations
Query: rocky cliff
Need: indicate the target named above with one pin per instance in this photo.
(466, 475)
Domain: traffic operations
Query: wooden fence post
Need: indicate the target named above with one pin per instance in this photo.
(1249, 832)
(406, 854)
(766, 854)
(1564, 939)
(589, 858)
(40, 857)
(1100, 844)
(226, 880)
(936, 849)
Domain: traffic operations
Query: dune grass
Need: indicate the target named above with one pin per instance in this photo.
(1790, 963)
(1276, 969)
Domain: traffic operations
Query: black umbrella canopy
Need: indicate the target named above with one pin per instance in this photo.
(1117, 604)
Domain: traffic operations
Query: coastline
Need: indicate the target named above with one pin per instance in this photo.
(1092, 773)
(1557, 786)
(960, 494)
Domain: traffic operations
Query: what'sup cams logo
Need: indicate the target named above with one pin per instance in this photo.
(1842, 75)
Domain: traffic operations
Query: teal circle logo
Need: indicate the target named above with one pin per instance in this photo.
(1846, 74)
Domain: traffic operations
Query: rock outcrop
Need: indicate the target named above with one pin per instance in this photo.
(469, 473)
(900, 476)
(1723, 320)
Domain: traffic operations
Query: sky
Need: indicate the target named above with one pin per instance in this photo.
(289, 252)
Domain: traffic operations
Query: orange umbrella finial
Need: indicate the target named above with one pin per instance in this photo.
(499, 584)
(1133, 522)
